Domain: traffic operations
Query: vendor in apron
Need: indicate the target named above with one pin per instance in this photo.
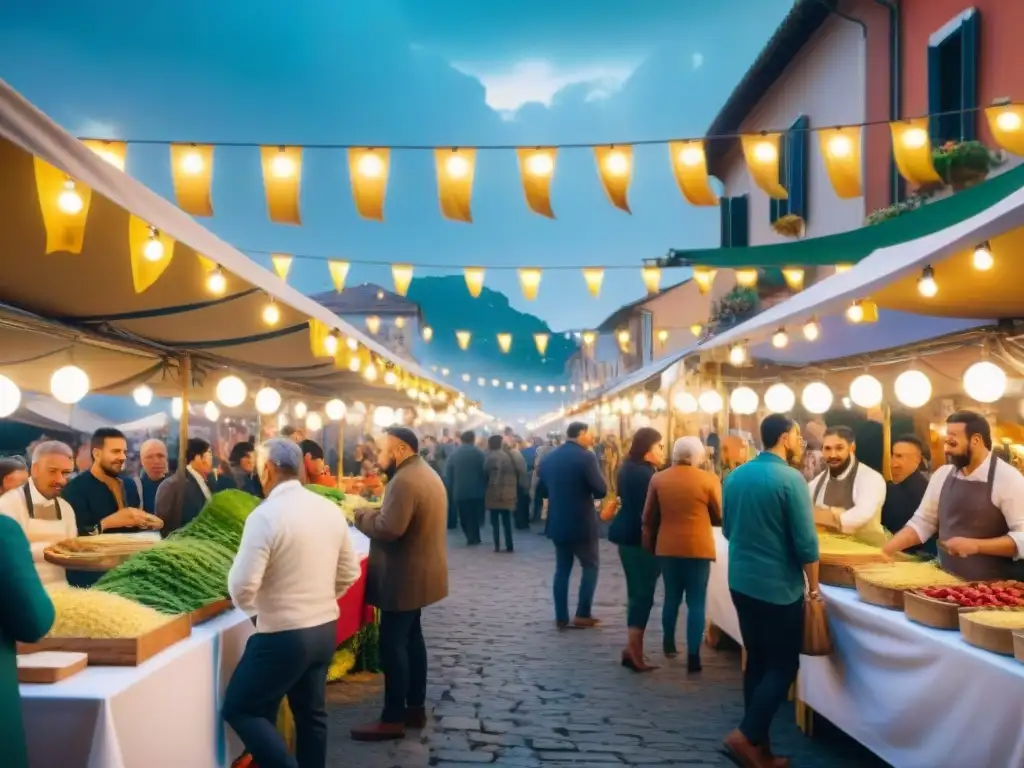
(848, 496)
(975, 503)
(36, 506)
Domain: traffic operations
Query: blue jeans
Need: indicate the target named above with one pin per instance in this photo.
(565, 554)
(685, 577)
(403, 660)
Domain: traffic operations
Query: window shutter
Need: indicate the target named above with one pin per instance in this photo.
(779, 208)
(796, 156)
(739, 223)
(935, 93)
(970, 32)
(724, 210)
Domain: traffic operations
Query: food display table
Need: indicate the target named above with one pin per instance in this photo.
(164, 712)
(354, 613)
(917, 697)
(721, 613)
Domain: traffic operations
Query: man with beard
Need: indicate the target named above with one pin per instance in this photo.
(976, 505)
(773, 568)
(904, 494)
(407, 571)
(848, 495)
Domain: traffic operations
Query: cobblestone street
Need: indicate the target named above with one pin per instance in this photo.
(508, 689)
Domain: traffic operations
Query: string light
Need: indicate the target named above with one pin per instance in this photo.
(69, 201)
(780, 339)
(855, 312)
(427, 333)
(370, 166)
(153, 250)
(282, 166)
(271, 313)
(915, 138)
(616, 164)
(216, 283)
(370, 373)
(390, 378)
(457, 167)
(192, 163)
(142, 395)
(540, 164)
(765, 152)
(812, 330)
(1009, 122)
(926, 284)
(982, 259)
(355, 365)
(268, 401)
(737, 355)
(331, 343)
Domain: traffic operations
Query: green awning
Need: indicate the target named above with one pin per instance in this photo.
(850, 247)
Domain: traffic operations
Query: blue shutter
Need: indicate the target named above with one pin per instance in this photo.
(970, 31)
(935, 93)
(779, 208)
(724, 210)
(796, 161)
(739, 222)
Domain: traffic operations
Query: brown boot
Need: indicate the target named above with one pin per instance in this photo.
(744, 754)
(773, 760)
(585, 622)
(633, 655)
(416, 717)
(379, 731)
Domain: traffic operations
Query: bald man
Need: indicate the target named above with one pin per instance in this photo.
(153, 457)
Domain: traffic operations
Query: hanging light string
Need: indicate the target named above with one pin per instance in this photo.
(569, 145)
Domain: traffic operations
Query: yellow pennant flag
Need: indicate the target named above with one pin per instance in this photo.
(114, 152)
(704, 277)
(368, 172)
(615, 167)
(594, 278)
(282, 179)
(840, 147)
(529, 282)
(690, 166)
(537, 168)
(205, 264)
(475, 281)
(318, 335)
(455, 169)
(1006, 122)
(150, 251)
(339, 273)
(761, 152)
(192, 174)
(652, 279)
(282, 264)
(463, 337)
(505, 342)
(64, 204)
(402, 276)
(912, 149)
(541, 340)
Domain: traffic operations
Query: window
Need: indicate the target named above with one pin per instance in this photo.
(735, 229)
(792, 172)
(953, 79)
(646, 337)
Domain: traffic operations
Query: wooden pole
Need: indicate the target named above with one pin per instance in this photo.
(887, 443)
(185, 374)
(341, 449)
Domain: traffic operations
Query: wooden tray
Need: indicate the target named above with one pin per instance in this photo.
(886, 597)
(118, 652)
(1018, 646)
(931, 612)
(48, 667)
(837, 575)
(994, 639)
(209, 611)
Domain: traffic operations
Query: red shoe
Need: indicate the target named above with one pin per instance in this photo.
(379, 731)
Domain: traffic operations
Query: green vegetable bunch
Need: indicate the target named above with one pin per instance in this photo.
(221, 520)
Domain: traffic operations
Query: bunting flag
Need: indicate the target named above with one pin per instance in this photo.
(1006, 122)
(463, 337)
(761, 153)
(319, 333)
(912, 148)
(192, 174)
(150, 251)
(615, 167)
(689, 164)
(368, 173)
(594, 278)
(529, 281)
(475, 281)
(745, 278)
(589, 337)
(652, 279)
(339, 273)
(114, 152)
(794, 277)
(402, 276)
(455, 169)
(205, 264)
(840, 147)
(541, 340)
(537, 168)
(373, 324)
(282, 177)
(64, 204)
(704, 277)
(505, 342)
(282, 264)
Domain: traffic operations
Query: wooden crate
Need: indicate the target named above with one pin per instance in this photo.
(939, 614)
(209, 611)
(994, 639)
(48, 667)
(886, 597)
(118, 652)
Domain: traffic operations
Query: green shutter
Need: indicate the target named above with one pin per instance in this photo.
(724, 209)
(796, 155)
(739, 222)
(935, 94)
(970, 31)
(779, 208)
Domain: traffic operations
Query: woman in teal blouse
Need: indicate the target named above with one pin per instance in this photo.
(26, 614)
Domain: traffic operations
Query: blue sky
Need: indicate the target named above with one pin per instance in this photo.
(429, 72)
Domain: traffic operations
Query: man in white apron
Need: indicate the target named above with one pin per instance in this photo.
(36, 506)
(848, 496)
(975, 503)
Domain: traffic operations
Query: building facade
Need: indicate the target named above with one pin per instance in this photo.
(396, 320)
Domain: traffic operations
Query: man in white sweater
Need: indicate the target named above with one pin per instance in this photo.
(295, 559)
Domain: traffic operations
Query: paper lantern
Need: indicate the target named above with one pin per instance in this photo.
(177, 408)
(231, 391)
(282, 179)
(142, 395)
(615, 167)
(313, 422)
(816, 397)
(710, 401)
(794, 277)
(761, 153)
(684, 402)
(913, 388)
(866, 391)
(641, 402)
(455, 171)
(743, 401)
(985, 382)
(779, 398)
(211, 411)
(1007, 125)
(69, 384)
(912, 149)
(10, 397)
(383, 416)
(192, 174)
(746, 278)
(268, 401)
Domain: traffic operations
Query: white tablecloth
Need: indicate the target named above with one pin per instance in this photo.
(163, 714)
(720, 610)
(917, 697)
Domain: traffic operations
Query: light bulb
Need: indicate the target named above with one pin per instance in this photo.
(855, 312)
(216, 283)
(428, 333)
(271, 313)
(743, 401)
(335, 409)
(816, 397)
(985, 382)
(926, 285)
(354, 365)
(913, 388)
(153, 250)
(481, 381)
(1009, 122)
(540, 164)
(192, 163)
(840, 146)
(111, 157)
(510, 385)
(691, 156)
(697, 329)
(866, 391)
(282, 166)
(641, 401)
(551, 389)
(268, 401)
(211, 411)
(812, 330)
(352, 344)
(10, 397)
(444, 371)
(390, 378)
(915, 138)
(457, 167)
(524, 387)
(779, 398)
(413, 393)
(982, 259)
(231, 391)
(737, 355)
(313, 422)
(176, 407)
(370, 166)
(765, 152)
(142, 395)
(331, 344)
(616, 164)
(300, 409)
(69, 384)
(710, 401)
(370, 373)
(780, 339)
(69, 201)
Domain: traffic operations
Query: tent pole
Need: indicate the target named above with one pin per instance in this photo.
(887, 443)
(185, 373)
(341, 449)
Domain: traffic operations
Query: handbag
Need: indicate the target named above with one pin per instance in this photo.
(816, 641)
(610, 508)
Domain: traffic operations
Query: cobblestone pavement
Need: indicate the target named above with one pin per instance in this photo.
(508, 689)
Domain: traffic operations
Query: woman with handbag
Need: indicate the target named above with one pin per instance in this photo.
(646, 455)
(683, 504)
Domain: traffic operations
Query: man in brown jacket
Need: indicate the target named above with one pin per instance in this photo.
(407, 571)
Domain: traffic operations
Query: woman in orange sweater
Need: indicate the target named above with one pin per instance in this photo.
(683, 503)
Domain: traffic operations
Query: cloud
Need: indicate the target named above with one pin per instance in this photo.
(100, 129)
(539, 81)
(698, 60)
